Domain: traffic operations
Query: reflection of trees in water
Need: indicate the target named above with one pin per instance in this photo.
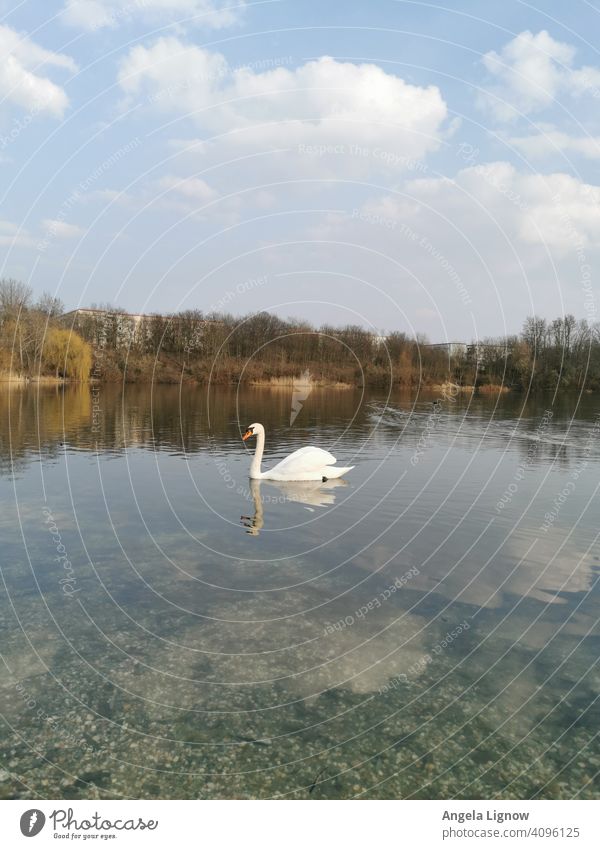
(540, 428)
(534, 452)
(198, 418)
(567, 439)
(39, 419)
(171, 418)
(189, 418)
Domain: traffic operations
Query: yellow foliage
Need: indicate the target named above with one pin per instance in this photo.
(67, 354)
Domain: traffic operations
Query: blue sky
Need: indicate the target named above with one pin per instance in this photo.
(393, 164)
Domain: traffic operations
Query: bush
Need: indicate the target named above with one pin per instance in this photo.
(66, 354)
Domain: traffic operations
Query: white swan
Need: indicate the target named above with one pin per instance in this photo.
(305, 464)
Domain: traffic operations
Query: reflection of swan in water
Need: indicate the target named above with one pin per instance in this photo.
(305, 464)
(311, 493)
(255, 523)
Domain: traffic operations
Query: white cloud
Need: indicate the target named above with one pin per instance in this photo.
(555, 210)
(97, 14)
(552, 142)
(320, 109)
(23, 240)
(531, 72)
(490, 245)
(13, 236)
(7, 227)
(19, 84)
(107, 196)
(191, 188)
(61, 229)
(565, 213)
(172, 75)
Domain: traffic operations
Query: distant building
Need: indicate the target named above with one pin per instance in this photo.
(90, 312)
(452, 349)
(473, 350)
(114, 329)
(105, 327)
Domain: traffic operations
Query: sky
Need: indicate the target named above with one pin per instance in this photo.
(399, 165)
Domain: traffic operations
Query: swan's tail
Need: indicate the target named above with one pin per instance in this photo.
(336, 471)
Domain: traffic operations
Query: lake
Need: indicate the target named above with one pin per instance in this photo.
(425, 628)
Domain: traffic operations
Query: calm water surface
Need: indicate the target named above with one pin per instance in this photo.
(427, 627)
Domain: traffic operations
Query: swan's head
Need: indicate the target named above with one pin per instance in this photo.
(253, 430)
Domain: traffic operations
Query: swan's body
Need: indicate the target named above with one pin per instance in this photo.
(305, 464)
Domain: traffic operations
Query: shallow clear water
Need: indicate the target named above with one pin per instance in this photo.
(426, 628)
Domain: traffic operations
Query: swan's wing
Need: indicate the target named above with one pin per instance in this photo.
(304, 460)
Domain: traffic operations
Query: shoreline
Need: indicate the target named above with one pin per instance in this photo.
(48, 380)
(283, 383)
(287, 382)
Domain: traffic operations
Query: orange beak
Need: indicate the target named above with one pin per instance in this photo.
(247, 435)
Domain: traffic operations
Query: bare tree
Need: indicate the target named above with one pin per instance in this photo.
(50, 305)
(14, 297)
(535, 332)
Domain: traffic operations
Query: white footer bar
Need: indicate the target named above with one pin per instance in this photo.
(300, 825)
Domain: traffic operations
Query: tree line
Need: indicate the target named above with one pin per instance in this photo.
(37, 337)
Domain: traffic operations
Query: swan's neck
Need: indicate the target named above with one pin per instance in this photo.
(257, 459)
